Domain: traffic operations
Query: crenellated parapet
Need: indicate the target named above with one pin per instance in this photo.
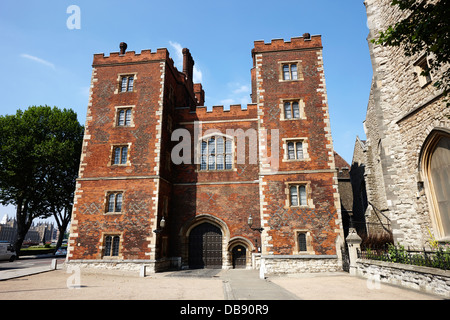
(131, 57)
(216, 113)
(297, 43)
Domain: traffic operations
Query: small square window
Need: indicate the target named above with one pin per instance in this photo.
(120, 155)
(291, 110)
(127, 83)
(422, 70)
(295, 150)
(124, 117)
(112, 243)
(114, 202)
(290, 71)
(297, 195)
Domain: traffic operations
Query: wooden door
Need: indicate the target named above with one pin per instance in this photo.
(239, 254)
(205, 247)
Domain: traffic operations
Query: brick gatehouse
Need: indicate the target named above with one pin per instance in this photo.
(165, 182)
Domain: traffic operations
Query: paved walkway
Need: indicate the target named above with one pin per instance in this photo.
(246, 285)
(45, 283)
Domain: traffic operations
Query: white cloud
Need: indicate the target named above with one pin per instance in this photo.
(244, 100)
(197, 75)
(227, 102)
(178, 60)
(240, 94)
(242, 89)
(39, 60)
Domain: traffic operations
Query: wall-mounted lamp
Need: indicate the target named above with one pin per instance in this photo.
(162, 224)
(250, 223)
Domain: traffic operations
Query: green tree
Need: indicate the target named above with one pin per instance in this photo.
(67, 160)
(424, 29)
(39, 157)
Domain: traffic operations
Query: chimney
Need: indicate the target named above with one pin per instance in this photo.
(123, 48)
(188, 64)
(199, 94)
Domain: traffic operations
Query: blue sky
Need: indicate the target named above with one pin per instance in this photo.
(45, 62)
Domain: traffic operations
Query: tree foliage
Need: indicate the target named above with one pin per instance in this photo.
(39, 158)
(425, 29)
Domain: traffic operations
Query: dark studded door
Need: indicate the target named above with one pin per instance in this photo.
(205, 247)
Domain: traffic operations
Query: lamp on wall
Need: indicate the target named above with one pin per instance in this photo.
(250, 223)
(162, 224)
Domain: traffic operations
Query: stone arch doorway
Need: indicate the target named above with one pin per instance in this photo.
(435, 158)
(205, 246)
(240, 253)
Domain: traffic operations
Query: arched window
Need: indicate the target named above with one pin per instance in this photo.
(436, 166)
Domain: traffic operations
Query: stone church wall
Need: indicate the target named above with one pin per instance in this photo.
(401, 113)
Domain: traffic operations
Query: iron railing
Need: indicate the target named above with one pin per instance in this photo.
(439, 258)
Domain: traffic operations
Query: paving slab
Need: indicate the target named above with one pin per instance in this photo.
(342, 286)
(236, 285)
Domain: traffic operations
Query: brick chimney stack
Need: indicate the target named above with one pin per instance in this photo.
(188, 64)
(123, 48)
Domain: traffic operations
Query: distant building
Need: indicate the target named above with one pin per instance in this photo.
(345, 190)
(357, 177)
(38, 233)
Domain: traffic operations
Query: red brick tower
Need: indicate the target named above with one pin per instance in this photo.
(300, 207)
(123, 181)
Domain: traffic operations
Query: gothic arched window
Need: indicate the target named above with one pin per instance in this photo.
(436, 166)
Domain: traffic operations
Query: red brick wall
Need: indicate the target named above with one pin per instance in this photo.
(133, 224)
